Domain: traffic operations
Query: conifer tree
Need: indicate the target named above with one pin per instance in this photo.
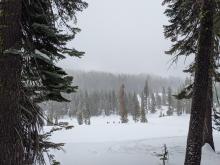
(146, 95)
(10, 84)
(208, 132)
(114, 102)
(153, 104)
(143, 114)
(200, 91)
(56, 121)
(123, 111)
(193, 21)
(170, 101)
(129, 102)
(79, 117)
(86, 109)
(164, 98)
(179, 108)
(136, 108)
(158, 100)
(31, 42)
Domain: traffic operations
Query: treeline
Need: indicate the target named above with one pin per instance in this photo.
(102, 81)
(85, 104)
(163, 102)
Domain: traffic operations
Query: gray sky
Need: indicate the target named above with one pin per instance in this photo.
(123, 36)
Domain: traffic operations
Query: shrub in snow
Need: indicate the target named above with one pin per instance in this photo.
(79, 117)
(164, 155)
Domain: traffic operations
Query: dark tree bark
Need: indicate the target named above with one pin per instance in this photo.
(12, 151)
(200, 89)
(208, 131)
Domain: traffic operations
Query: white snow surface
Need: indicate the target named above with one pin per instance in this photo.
(112, 143)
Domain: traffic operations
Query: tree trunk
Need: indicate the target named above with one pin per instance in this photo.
(200, 89)
(12, 151)
(207, 132)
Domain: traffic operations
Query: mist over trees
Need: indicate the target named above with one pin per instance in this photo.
(120, 100)
(101, 81)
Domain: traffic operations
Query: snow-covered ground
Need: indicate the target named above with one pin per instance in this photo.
(107, 142)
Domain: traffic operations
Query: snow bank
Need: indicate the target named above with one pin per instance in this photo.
(108, 142)
(104, 129)
(209, 157)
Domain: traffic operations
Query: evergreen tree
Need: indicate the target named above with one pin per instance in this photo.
(114, 103)
(12, 150)
(179, 108)
(170, 101)
(123, 111)
(79, 117)
(152, 104)
(207, 131)
(146, 95)
(31, 42)
(85, 109)
(56, 121)
(193, 21)
(143, 115)
(136, 108)
(106, 104)
(164, 98)
(158, 101)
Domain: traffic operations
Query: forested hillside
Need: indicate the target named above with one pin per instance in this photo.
(108, 94)
(101, 81)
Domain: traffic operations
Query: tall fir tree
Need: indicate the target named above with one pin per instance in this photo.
(114, 102)
(143, 114)
(123, 111)
(31, 42)
(170, 102)
(79, 117)
(164, 97)
(136, 108)
(86, 109)
(153, 103)
(12, 150)
(193, 21)
(201, 89)
(207, 132)
(146, 95)
(179, 107)
(158, 101)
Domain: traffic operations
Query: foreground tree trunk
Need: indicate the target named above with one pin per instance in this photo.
(208, 131)
(200, 89)
(11, 148)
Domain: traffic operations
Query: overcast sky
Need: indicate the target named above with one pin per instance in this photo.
(123, 36)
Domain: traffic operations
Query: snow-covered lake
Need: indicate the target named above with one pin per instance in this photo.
(107, 142)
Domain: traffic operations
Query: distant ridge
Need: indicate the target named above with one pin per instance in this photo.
(104, 81)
